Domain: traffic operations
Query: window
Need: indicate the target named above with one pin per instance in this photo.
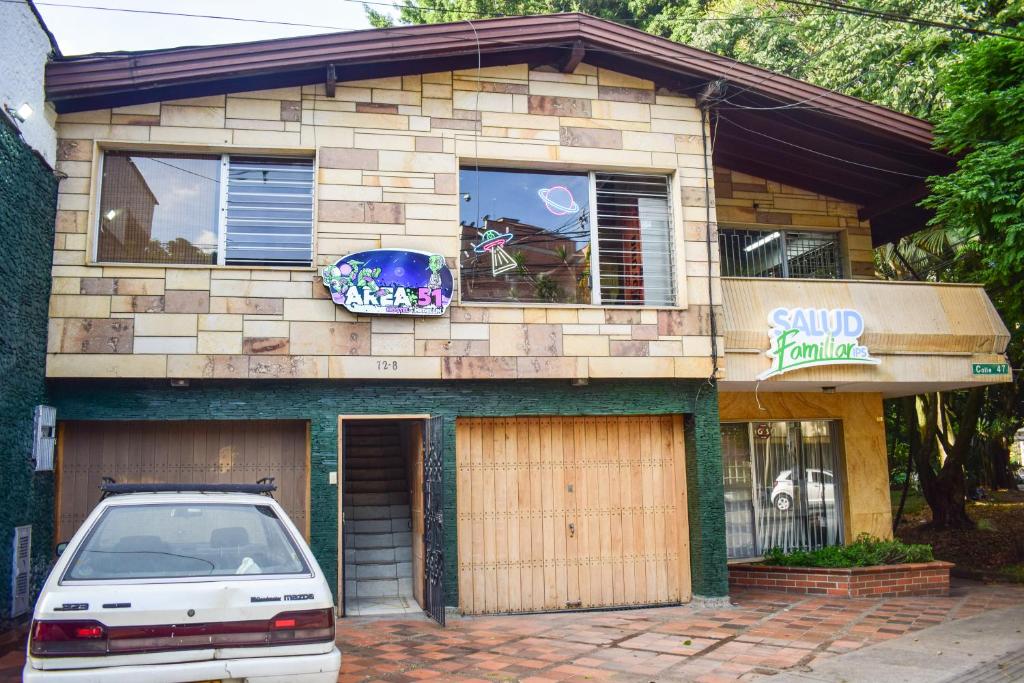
(782, 486)
(530, 237)
(780, 253)
(185, 540)
(205, 209)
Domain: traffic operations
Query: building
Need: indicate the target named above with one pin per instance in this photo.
(588, 427)
(28, 204)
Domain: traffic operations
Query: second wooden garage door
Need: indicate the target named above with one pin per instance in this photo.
(206, 451)
(571, 512)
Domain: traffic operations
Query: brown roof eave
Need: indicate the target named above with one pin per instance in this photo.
(108, 74)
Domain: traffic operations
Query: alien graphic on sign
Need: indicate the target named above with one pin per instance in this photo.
(492, 242)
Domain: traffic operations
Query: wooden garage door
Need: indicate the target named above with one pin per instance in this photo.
(232, 451)
(571, 512)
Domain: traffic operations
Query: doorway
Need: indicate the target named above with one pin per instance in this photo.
(382, 516)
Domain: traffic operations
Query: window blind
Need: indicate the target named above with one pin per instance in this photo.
(269, 211)
(634, 235)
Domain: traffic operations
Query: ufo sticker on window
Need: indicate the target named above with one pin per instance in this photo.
(390, 282)
(493, 242)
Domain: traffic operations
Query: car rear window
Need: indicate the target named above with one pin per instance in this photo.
(185, 540)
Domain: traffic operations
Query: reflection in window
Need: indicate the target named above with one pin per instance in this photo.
(782, 486)
(158, 208)
(525, 236)
(780, 253)
(528, 237)
(167, 208)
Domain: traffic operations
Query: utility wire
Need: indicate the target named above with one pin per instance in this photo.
(901, 18)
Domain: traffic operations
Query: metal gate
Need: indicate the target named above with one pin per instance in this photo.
(433, 518)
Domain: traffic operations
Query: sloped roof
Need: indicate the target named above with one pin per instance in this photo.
(772, 126)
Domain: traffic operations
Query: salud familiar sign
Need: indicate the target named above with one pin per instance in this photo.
(811, 337)
(390, 282)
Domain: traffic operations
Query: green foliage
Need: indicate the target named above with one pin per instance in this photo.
(866, 551)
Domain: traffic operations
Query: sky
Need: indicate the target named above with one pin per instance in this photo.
(83, 31)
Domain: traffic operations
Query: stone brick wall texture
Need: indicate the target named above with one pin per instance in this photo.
(322, 402)
(28, 199)
(897, 580)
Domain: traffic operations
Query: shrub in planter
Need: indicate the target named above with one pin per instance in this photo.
(866, 551)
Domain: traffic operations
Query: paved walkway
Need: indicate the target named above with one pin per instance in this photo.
(763, 634)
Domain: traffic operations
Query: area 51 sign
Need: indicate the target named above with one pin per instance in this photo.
(390, 282)
(810, 337)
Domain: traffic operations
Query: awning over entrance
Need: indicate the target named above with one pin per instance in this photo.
(925, 336)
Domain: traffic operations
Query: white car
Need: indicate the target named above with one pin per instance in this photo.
(821, 489)
(202, 583)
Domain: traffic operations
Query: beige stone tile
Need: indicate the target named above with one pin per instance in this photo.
(469, 331)
(93, 335)
(188, 278)
(478, 367)
(166, 324)
(562, 316)
(219, 342)
(563, 89)
(693, 367)
(193, 117)
(632, 367)
(433, 328)
(392, 344)
(106, 365)
(309, 309)
(545, 368)
(330, 338)
(265, 328)
(393, 367)
(585, 345)
(261, 289)
(79, 306)
(249, 108)
(221, 322)
(526, 340)
(393, 325)
(164, 345)
(196, 136)
(292, 367)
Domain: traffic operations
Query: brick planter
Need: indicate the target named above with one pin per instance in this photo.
(892, 580)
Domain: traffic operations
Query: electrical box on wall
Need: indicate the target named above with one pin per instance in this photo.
(44, 430)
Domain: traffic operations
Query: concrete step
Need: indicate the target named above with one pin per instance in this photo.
(377, 526)
(370, 462)
(391, 570)
(375, 474)
(378, 588)
(375, 486)
(383, 498)
(394, 539)
(377, 555)
(360, 512)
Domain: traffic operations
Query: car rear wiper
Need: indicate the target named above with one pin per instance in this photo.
(154, 552)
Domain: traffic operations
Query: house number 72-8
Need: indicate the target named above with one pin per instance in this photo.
(387, 365)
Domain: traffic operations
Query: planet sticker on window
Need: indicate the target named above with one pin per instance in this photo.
(558, 200)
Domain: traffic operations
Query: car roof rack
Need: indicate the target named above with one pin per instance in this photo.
(265, 486)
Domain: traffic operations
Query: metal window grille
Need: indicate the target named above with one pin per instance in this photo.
(268, 212)
(634, 239)
(780, 253)
(44, 428)
(21, 570)
(783, 486)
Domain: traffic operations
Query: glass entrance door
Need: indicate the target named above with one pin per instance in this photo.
(794, 497)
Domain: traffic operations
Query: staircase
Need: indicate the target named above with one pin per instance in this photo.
(378, 538)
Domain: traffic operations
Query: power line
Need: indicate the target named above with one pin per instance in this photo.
(819, 153)
(901, 18)
(187, 15)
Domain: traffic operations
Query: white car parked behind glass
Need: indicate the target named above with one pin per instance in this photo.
(206, 583)
(820, 489)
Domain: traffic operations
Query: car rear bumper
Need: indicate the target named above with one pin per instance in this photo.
(321, 668)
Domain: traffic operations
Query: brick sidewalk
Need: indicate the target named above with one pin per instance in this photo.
(763, 633)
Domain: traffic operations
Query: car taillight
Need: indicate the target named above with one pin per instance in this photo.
(309, 626)
(68, 638)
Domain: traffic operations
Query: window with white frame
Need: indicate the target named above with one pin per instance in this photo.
(205, 209)
(530, 236)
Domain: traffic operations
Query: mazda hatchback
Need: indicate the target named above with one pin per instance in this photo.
(165, 585)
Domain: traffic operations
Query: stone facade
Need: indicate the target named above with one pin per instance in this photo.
(322, 402)
(388, 153)
(743, 200)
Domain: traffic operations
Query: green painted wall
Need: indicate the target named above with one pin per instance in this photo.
(322, 402)
(28, 204)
